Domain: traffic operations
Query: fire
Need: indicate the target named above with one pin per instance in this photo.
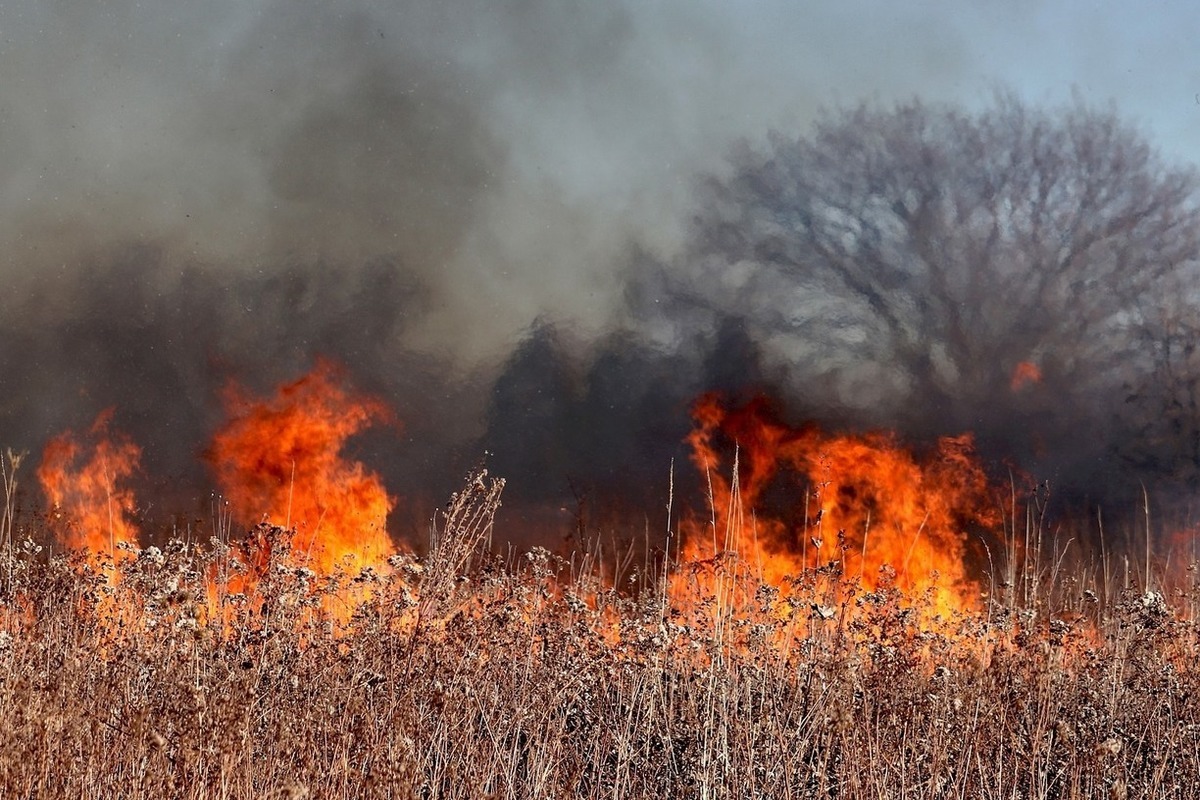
(83, 482)
(280, 465)
(801, 499)
(279, 460)
(1025, 373)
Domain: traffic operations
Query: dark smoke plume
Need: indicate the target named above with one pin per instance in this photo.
(194, 193)
(479, 208)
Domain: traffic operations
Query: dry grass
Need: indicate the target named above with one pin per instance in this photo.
(512, 682)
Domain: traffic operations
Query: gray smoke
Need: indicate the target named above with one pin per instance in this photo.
(193, 193)
(449, 198)
(503, 152)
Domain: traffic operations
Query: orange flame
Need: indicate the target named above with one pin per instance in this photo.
(1025, 373)
(801, 499)
(82, 481)
(280, 460)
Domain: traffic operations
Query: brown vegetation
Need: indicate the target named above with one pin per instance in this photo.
(465, 676)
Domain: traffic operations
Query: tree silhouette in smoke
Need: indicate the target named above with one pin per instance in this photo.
(1162, 399)
(927, 265)
(591, 429)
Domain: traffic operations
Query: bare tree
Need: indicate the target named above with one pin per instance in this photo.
(946, 256)
(1161, 418)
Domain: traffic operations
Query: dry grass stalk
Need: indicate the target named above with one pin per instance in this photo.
(511, 686)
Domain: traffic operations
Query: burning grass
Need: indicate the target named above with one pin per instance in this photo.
(460, 675)
(835, 644)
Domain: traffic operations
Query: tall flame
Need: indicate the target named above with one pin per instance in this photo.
(83, 479)
(279, 460)
(801, 499)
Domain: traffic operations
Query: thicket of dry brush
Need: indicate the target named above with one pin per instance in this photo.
(513, 682)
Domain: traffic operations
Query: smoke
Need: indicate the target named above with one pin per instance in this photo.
(503, 153)
(195, 193)
(465, 203)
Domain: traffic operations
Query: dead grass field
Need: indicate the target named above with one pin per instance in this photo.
(466, 677)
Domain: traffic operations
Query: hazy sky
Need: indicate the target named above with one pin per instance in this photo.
(505, 152)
